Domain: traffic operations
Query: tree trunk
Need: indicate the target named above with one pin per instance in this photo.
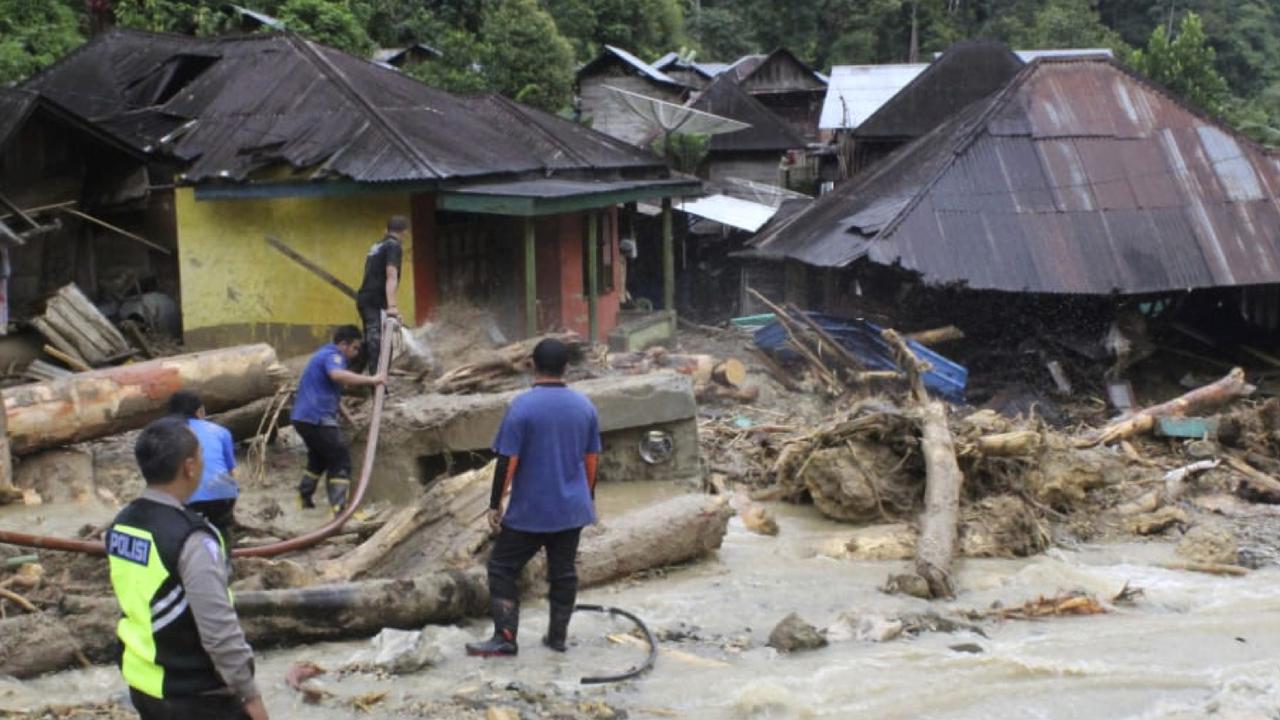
(114, 400)
(938, 524)
(1217, 393)
(244, 422)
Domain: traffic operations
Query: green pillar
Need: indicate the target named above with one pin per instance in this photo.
(668, 258)
(530, 280)
(593, 282)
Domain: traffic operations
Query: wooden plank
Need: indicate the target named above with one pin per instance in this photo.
(315, 269)
(119, 231)
(59, 341)
(67, 328)
(70, 362)
(668, 259)
(593, 282)
(530, 280)
(83, 334)
(94, 316)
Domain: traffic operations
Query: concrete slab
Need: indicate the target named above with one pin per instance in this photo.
(427, 426)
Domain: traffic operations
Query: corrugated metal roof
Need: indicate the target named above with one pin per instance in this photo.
(966, 72)
(855, 92)
(1079, 177)
(725, 98)
(644, 69)
(15, 106)
(229, 107)
(741, 214)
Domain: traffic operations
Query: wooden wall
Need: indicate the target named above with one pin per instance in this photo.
(608, 113)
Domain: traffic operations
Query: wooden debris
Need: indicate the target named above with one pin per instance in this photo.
(680, 655)
(83, 334)
(729, 373)
(72, 362)
(937, 336)
(18, 600)
(1042, 607)
(1218, 393)
(1207, 568)
(940, 521)
(489, 375)
(1255, 486)
(41, 371)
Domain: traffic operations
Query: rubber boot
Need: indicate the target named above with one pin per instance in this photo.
(506, 621)
(558, 628)
(337, 491)
(307, 489)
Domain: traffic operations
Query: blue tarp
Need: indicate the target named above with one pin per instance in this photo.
(947, 379)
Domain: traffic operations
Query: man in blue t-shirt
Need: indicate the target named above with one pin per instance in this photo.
(315, 416)
(548, 448)
(215, 498)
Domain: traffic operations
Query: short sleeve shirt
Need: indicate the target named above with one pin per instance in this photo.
(373, 288)
(318, 395)
(219, 453)
(551, 429)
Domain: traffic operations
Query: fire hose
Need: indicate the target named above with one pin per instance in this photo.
(648, 636)
(306, 540)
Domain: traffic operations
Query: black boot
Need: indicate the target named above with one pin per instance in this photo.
(558, 627)
(506, 620)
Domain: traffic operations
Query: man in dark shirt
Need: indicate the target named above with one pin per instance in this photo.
(548, 447)
(315, 416)
(378, 289)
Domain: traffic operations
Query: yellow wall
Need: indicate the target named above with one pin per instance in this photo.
(236, 288)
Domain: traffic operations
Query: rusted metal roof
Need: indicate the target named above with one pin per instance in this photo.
(610, 54)
(1078, 177)
(229, 107)
(724, 97)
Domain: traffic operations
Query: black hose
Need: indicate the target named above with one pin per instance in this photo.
(648, 636)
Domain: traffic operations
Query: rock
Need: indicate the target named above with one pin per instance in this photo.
(399, 652)
(881, 542)
(794, 634)
(1209, 545)
(864, 628)
(971, 648)
(1157, 522)
(501, 713)
(908, 584)
(759, 520)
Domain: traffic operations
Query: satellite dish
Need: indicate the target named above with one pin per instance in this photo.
(673, 118)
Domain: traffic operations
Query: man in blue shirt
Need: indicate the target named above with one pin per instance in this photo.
(215, 498)
(315, 416)
(548, 448)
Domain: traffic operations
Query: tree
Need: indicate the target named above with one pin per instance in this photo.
(186, 17)
(648, 28)
(329, 22)
(33, 34)
(576, 20)
(459, 67)
(524, 56)
(1063, 24)
(721, 34)
(1184, 65)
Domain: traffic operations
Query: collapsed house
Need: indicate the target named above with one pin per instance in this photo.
(275, 136)
(1077, 183)
(77, 205)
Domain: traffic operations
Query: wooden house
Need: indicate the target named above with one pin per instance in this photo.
(605, 110)
(512, 209)
(756, 153)
(785, 85)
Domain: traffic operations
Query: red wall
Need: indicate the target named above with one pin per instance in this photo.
(572, 300)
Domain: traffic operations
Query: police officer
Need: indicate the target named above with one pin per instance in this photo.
(185, 656)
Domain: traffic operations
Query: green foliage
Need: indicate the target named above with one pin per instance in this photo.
(1062, 24)
(682, 151)
(329, 22)
(1184, 64)
(648, 28)
(576, 20)
(524, 56)
(459, 69)
(721, 33)
(187, 17)
(33, 34)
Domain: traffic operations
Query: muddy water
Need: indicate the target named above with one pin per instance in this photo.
(1193, 645)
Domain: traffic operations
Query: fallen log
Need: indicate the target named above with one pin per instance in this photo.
(707, 392)
(1217, 393)
(114, 400)
(674, 531)
(245, 421)
(1017, 443)
(730, 373)
(943, 480)
(487, 374)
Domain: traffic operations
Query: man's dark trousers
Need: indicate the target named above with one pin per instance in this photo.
(513, 550)
(371, 317)
(198, 707)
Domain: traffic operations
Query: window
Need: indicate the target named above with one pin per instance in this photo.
(604, 251)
